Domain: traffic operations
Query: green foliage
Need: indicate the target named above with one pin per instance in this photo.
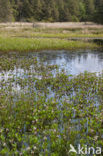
(82, 15)
(5, 11)
(99, 12)
(51, 10)
(90, 7)
(42, 113)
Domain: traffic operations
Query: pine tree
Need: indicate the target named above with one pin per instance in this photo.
(73, 6)
(82, 9)
(26, 10)
(89, 9)
(61, 4)
(99, 11)
(19, 6)
(37, 9)
(51, 10)
(5, 11)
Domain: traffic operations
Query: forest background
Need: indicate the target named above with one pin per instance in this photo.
(51, 10)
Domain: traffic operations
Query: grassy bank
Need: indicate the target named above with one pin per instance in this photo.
(24, 44)
(59, 35)
(34, 38)
(51, 33)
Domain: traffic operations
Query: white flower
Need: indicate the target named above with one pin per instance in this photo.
(20, 154)
(4, 144)
(34, 128)
(34, 147)
(45, 138)
(28, 148)
(54, 130)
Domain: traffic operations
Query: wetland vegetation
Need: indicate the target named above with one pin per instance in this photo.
(27, 38)
(51, 77)
(43, 109)
(24, 44)
(47, 105)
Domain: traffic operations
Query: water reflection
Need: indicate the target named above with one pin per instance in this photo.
(75, 62)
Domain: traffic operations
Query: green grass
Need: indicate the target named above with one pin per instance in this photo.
(25, 44)
(60, 35)
(35, 39)
(50, 33)
(63, 34)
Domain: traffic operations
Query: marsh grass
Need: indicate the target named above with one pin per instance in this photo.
(47, 32)
(27, 38)
(25, 44)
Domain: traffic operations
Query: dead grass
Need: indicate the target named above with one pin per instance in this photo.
(37, 36)
(58, 29)
(81, 25)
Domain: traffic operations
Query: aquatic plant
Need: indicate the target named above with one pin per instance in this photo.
(42, 113)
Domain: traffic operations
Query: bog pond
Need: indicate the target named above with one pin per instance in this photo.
(49, 100)
(72, 62)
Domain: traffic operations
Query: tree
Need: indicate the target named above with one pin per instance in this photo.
(73, 6)
(90, 7)
(99, 12)
(82, 15)
(37, 9)
(51, 10)
(54, 11)
(5, 11)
